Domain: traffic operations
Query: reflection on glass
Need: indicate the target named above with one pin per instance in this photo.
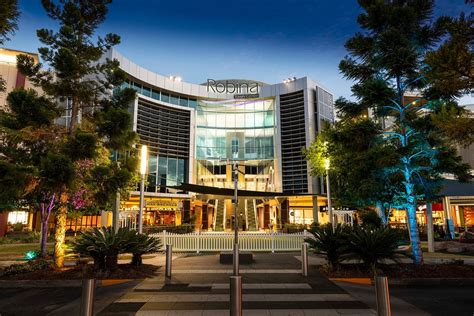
(233, 128)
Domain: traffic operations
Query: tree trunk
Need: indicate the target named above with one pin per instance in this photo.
(60, 234)
(380, 209)
(414, 235)
(44, 236)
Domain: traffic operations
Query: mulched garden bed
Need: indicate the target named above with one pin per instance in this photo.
(402, 271)
(124, 271)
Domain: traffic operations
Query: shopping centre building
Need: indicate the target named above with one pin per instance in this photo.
(197, 134)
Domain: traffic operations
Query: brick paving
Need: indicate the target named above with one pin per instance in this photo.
(272, 285)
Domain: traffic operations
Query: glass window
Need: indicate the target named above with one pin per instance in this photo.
(162, 170)
(137, 87)
(192, 103)
(165, 97)
(259, 119)
(183, 101)
(235, 147)
(172, 168)
(239, 120)
(174, 100)
(249, 119)
(146, 91)
(155, 94)
(181, 171)
(269, 118)
(152, 163)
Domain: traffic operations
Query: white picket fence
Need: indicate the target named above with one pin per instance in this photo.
(248, 241)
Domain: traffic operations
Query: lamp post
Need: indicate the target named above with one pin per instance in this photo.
(328, 191)
(236, 220)
(143, 163)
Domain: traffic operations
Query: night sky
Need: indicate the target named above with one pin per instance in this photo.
(266, 40)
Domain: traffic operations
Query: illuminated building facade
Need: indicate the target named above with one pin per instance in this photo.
(197, 132)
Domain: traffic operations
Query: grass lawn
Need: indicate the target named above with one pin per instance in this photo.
(17, 251)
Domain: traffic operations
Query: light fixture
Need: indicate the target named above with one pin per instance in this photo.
(327, 163)
(143, 159)
(290, 79)
(176, 78)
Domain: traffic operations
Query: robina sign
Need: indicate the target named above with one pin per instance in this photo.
(240, 89)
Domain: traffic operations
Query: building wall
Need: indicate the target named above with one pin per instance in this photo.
(316, 108)
(10, 74)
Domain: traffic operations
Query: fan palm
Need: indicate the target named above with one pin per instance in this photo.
(328, 241)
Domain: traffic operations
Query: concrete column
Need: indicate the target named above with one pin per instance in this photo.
(447, 212)
(266, 216)
(315, 209)
(429, 225)
(205, 217)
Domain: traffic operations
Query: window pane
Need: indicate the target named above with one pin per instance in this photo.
(162, 170)
(155, 94)
(183, 101)
(174, 100)
(192, 103)
(146, 91)
(181, 175)
(165, 97)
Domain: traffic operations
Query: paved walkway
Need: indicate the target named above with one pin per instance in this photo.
(272, 285)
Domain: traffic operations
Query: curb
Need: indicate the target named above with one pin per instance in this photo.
(432, 281)
(57, 283)
(414, 281)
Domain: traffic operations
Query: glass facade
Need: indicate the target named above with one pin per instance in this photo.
(159, 95)
(242, 130)
(166, 171)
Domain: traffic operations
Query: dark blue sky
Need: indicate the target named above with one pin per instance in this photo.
(261, 39)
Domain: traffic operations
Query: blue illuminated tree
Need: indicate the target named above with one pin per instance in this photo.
(387, 61)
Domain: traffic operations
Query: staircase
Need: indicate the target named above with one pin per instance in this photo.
(219, 209)
(251, 209)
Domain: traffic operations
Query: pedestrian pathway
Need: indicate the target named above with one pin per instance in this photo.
(272, 285)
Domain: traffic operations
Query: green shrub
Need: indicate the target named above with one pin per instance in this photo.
(18, 227)
(29, 266)
(330, 242)
(373, 245)
(104, 245)
(143, 244)
(293, 228)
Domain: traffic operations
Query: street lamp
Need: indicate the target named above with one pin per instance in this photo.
(236, 220)
(143, 163)
(328, 191)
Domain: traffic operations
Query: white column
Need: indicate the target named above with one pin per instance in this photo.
(429, 224)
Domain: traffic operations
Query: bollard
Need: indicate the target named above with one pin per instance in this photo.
(236, 260)
(304, 259)
(382, 295)
(169, 257)
(87, 299)
(235, 296)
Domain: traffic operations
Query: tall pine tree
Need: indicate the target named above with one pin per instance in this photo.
(98, 120)
(386, 60)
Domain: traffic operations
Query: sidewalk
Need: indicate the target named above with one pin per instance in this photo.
(272, 285)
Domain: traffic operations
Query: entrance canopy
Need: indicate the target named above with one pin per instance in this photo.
(207, 190)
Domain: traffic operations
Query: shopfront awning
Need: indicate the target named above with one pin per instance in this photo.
(202, 189)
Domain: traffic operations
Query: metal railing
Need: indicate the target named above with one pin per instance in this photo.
(248, 241)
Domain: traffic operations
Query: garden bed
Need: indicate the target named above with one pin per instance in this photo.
(402, 271)
(124, 271)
